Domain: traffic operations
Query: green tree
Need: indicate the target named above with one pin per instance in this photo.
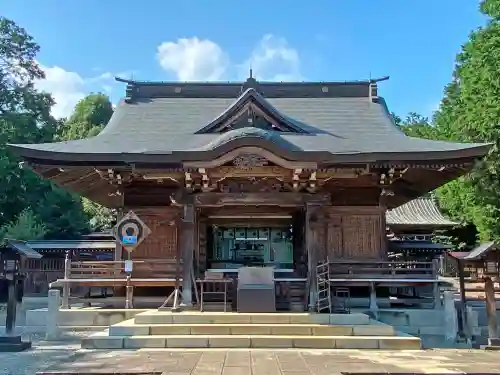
(25, 118)
(470, 112)
(450, 197)
(415, 125)
(26, 227)
(89, 117)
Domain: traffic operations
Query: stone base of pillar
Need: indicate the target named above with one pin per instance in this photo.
(13, 344)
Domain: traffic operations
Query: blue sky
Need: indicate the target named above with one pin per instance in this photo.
(85, 43)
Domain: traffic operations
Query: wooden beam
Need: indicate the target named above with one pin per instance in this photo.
(259, 199)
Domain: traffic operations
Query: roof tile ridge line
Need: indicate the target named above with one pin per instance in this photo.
(177, 83)
(239, 83)
(247, 95)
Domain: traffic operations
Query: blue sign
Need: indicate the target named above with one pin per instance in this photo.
(129, 240)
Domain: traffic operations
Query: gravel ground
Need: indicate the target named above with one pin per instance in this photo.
(43, 354)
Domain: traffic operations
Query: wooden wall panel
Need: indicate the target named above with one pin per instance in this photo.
(354, 232)
(318, 243)
(334, 237)
(162, 242)
(361, 236)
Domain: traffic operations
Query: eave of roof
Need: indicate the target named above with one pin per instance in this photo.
(72, 244)
(23, 249)
(44, 152)
(480, 251)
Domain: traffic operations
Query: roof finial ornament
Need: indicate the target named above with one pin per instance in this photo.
(250, 83)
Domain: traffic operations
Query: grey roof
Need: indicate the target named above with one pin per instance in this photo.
(72, 244)
(418, 212)
(23, 249)
(338, 119)
(479, 251)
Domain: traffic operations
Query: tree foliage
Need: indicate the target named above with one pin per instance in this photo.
(25, 118)
(415, 125)
(26, 227)
(89, 117)
(470, 112)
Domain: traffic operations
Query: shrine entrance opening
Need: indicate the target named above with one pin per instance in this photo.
(251, 243)
(257, 239)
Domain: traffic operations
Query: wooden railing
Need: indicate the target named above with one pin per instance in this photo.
(103, 274)
(144, 269)
(383, 270)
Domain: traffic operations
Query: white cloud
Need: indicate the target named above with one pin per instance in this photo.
(194, 59)
(274, 60)
(67, 88)
(189, 59)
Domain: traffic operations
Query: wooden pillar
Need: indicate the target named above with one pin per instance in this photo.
(118, 246)
(373, 300)
(312, 253)
(436, 290)
(187, 249)
(383, 227)
(118, 255)
(491, 311)
(119, 215)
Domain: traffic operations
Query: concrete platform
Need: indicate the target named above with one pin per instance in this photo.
(82, 316)
(251, 341)
(130, 328)
(196, 317)
(192, 329)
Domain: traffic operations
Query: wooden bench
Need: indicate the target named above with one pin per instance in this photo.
(104, 274)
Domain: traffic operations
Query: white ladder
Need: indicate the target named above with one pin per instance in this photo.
(323, 293)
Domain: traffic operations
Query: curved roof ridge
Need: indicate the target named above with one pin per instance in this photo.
(243, 99)
(246, 132)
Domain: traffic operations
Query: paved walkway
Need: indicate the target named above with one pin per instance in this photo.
(279, 362)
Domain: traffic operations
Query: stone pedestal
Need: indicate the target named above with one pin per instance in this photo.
(450, 317)
(52, 320)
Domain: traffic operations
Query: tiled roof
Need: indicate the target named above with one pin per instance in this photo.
(418, 212)
(345, 120)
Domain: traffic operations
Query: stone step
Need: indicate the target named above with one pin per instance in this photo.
(196, 317)
(130, 328)
(101, 341)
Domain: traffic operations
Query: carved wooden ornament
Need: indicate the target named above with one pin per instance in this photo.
(249, 161)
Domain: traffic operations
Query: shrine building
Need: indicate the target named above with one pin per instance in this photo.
(267, 174)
